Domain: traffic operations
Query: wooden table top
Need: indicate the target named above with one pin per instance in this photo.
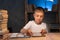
(50, 36)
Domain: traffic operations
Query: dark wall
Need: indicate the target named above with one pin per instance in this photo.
(16, 13)
(50, 17)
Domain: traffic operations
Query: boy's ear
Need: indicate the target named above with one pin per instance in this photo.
(33, 15)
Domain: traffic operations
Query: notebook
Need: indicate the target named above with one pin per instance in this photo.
(18, 35)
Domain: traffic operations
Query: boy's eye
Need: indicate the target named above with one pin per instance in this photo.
(41, 16)
(37, 15)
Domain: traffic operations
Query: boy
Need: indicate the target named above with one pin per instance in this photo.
(36, 25)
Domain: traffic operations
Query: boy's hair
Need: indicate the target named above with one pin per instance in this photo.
(40, 9)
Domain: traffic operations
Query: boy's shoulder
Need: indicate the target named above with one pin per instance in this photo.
(44, 23)
(31, 21)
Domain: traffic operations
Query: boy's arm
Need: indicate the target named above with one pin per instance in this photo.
(26, 27)
(23, 31)
(44, 29)
(29, 32)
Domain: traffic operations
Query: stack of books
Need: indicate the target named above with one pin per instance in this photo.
(3, 22)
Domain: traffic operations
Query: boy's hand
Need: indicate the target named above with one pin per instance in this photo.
(29, 33)
(43, 31)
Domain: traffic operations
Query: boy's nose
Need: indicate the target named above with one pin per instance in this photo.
(39, 17)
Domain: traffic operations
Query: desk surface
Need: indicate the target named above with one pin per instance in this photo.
(50, 36)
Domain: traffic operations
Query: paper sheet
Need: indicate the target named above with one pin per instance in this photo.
(36, 34)
(13, 34)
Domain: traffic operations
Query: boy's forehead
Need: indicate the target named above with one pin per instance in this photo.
(39, 13)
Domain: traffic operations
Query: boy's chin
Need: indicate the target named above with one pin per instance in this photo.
(39, 22)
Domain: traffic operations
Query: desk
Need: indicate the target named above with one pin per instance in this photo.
(50, 36)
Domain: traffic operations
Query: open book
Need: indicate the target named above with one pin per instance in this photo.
(18, 35)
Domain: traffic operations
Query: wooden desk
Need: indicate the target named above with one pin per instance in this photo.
(50, 36)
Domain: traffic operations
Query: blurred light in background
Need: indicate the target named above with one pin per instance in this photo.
(51, 0)
(43, 3)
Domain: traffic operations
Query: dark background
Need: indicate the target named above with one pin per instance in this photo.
(16, 15)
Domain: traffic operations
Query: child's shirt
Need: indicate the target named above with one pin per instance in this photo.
(35, 27)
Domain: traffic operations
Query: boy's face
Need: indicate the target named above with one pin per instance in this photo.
(38, 16)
